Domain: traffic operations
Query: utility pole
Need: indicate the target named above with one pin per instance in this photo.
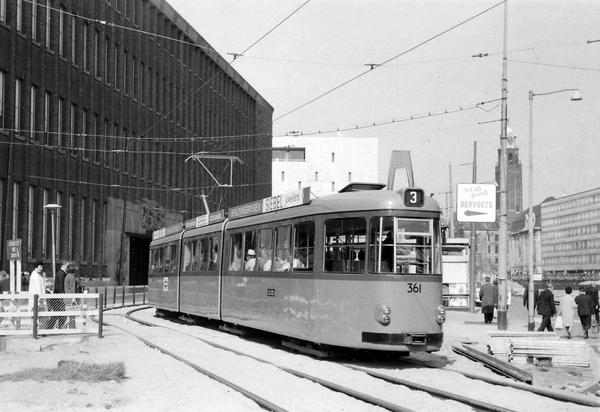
(473, 248)
(503, 223)
(451, 203)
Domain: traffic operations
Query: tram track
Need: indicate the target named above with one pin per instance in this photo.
(437, 393)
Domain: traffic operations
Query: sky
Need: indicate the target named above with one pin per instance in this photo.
(436, 84)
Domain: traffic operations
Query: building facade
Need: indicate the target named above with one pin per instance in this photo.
(101, 103)
(571, 236)
(326, 164)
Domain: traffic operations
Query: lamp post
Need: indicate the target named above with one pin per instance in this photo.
(53, 208)
(575, 97)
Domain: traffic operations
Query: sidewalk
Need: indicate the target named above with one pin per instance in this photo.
(465, 327)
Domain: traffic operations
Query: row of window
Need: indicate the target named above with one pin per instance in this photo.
(95, 139)
(572, 260)
(574, 231)
(572, 218)
(386, 245)
(586, 200)
(571, 246)
(120, 66)
(77, 224)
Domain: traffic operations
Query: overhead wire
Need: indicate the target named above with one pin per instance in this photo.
(387, 61)
(68, 135)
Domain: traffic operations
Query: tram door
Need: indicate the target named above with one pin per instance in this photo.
(139, 253)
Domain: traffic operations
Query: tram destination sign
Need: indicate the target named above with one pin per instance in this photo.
(476, 202)
(270, 204)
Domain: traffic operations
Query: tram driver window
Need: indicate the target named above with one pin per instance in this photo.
(401, 245)
(345, 245)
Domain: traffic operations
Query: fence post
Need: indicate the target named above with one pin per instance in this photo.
(114, 295)
(100, 316)
(34, 326)
(144, 294)
(123, 300)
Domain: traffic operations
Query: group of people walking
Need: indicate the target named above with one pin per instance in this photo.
(586, 305)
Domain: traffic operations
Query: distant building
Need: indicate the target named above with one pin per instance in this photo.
(514, 180)
(326, 164)
(518, 244)
(571, 235)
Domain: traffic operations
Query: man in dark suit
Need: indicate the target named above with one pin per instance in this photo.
(546, 308)
(592, 291)
(536, 296)
(59, 304)
(585, 308)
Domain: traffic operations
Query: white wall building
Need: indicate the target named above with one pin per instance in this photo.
(326, 164)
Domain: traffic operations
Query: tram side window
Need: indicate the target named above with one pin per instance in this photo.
(249, 250)
(170, 262)
(235, 255)
(304, 246)
(191, 255)
(265, 249)
(345, 245)
(212, 244)
(157, 260)
(283, 259)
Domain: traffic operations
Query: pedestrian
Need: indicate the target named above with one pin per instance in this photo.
(488, 301)
(567, 310)
(37, 286)
(536, 296)
(592, 291)
(25, 281)
(71, 287)
(585, 308)
(58, 301)
(546, 308)
(4, 282)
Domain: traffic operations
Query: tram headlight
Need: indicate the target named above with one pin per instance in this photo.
(383, 314)
(440, 312)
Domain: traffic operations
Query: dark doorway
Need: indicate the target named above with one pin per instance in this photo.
(139, 252)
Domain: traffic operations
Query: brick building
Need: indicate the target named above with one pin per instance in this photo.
(101, 103)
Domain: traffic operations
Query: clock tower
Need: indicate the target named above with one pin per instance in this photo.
(514, 178)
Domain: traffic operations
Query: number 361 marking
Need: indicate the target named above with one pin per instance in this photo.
(414, 288)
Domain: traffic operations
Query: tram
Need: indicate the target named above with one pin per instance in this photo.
(359, 269)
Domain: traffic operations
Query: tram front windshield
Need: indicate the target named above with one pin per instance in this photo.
(404, 246)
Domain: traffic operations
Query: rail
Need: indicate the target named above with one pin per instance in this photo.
(121, 296)
(52, 314)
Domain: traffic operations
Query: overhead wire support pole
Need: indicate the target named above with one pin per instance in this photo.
(531, 215)
(503, 223)
(473, 244)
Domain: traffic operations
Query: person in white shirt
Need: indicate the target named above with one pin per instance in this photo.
(250, 260)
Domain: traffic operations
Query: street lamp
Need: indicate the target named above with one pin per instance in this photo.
(53, 208)
(575, 97)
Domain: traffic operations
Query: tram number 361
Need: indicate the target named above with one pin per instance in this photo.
(414, 288)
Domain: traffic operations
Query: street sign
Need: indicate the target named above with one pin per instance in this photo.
(476, 202)
(14, 249)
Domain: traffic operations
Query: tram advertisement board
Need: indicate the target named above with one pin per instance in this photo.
(476, 202)
(269, 204)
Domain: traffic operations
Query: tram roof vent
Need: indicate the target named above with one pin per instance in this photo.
(357, 187)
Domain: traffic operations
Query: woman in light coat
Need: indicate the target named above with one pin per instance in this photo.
(567, 310)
